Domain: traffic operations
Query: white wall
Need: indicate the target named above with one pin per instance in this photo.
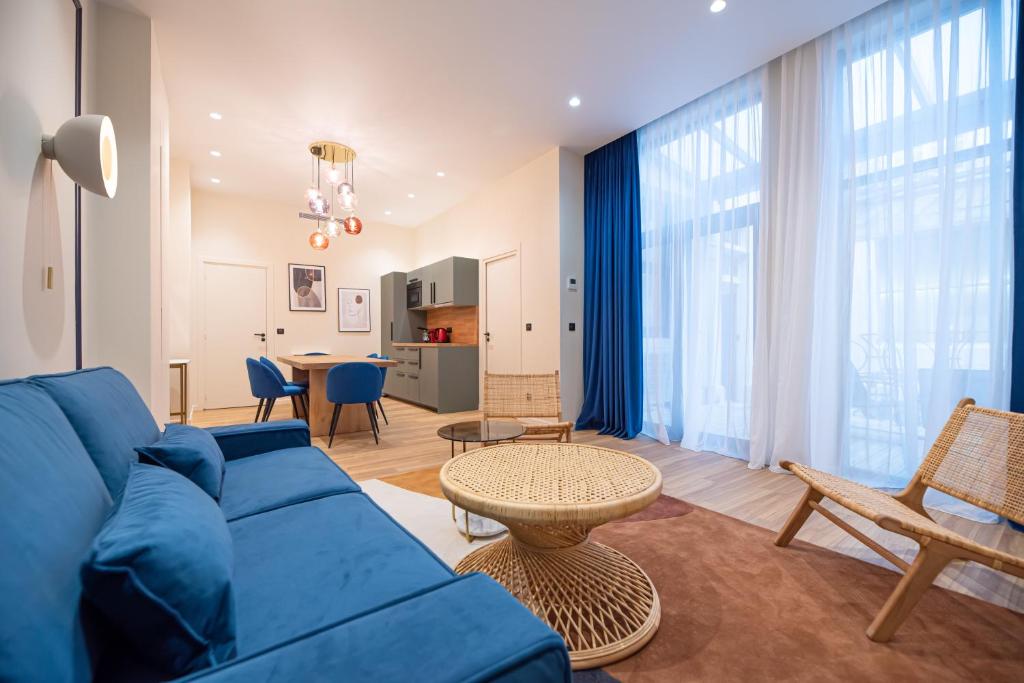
(246, 230)
(570, 248)
(37, 79)
(122, 240)
(523, 211)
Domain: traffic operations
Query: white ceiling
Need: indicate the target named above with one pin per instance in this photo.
(475, 88)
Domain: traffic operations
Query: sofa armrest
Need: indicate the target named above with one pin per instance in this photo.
(240, 441)
(468, 629)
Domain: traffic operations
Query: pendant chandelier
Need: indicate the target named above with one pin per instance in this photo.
(339, 188)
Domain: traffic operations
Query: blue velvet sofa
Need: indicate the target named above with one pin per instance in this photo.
(326, 585)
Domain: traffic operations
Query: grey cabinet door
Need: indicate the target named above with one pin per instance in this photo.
(466, 281)
(442, 277)
(387, 312)
(429, 377)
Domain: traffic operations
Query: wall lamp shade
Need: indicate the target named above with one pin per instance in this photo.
(87, 151)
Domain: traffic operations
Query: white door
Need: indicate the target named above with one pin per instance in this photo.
(502, 327)
(235, 311)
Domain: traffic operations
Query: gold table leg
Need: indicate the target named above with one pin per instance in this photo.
(600, 601)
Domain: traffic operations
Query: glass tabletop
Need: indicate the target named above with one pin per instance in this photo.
(479, 431)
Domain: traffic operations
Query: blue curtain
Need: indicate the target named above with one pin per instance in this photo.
(612, 326)
(1017, 353)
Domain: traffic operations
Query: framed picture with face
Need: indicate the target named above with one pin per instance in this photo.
(353, 310)
(307, 287)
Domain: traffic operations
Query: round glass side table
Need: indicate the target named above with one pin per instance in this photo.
(486, 432)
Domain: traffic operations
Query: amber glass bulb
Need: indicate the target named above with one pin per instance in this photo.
(353, 225)
(319, 241)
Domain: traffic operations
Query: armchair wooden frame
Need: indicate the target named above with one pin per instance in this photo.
(978, 458)
(526, 396)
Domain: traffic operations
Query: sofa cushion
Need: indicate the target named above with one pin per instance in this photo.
(108, 415)
(160, 571)
(492, 637)
(52, 503)
(192, 453)
(271, 480)
(308, 565)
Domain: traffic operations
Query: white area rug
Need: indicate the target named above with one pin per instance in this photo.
(426, 517)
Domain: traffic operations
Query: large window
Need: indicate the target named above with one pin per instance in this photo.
(700, 173)
(920, 105)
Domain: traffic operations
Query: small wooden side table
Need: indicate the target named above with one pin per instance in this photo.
(550, 496)
(181, 365)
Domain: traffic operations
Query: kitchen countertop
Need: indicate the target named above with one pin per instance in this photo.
(421, 345)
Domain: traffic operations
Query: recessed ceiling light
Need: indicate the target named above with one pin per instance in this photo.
(574, 101)
(387, 212)
(411, 196)
(215, 115)
(440, 174)
(215, 153)
(215, 181)
(717, 6)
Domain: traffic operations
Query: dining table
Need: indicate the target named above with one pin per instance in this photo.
(313, 369)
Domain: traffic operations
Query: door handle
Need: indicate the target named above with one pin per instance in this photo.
(261, 335)
(392, 332)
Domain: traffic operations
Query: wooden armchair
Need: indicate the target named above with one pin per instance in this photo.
(978, 458)
(527, 396)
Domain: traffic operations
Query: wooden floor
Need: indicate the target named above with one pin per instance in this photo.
(713, 481)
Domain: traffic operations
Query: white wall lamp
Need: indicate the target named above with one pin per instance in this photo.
(86, 149)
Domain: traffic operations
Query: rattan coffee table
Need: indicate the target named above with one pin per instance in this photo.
(550, 496)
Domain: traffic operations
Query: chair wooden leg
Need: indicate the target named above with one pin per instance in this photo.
(334, 423)
(798, 517)
(305, 407)
(381, 406)
(259, 411)
(269, 408)
(295, 408)
(930, 561)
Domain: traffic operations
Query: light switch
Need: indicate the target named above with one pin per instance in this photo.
(570, 284)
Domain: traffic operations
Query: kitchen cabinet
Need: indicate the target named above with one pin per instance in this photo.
(443, 378)
(397, 324)
(451, 282)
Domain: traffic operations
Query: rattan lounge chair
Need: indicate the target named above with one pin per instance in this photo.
(978, 458)
(525, 398)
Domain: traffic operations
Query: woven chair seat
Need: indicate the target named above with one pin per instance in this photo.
(878, 506)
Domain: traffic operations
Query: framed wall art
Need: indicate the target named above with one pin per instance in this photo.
(353, 310)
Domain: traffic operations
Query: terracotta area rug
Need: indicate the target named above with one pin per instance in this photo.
(737, 608)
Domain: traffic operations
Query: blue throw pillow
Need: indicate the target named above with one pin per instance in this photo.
(191, 452)
(160, 571)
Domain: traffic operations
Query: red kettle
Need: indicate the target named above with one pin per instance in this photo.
(440, 335)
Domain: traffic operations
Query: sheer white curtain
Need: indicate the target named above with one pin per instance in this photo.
(786, 255)
(700, 175)
(912, 290)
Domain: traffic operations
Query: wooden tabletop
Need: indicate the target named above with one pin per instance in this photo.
(329, 361)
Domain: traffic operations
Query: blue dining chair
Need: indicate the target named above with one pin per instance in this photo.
(383, 378)
(304, 398)
(353, 383)
(276, 371)
(268, 388)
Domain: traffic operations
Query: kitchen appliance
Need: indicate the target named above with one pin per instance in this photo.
(414, 294)
(436, 335)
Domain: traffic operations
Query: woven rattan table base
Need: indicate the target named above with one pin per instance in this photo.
(600, 601)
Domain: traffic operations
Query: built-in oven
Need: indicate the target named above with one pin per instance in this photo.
(414, 294)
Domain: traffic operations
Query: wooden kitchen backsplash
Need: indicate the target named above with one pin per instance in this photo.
(463, 320)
